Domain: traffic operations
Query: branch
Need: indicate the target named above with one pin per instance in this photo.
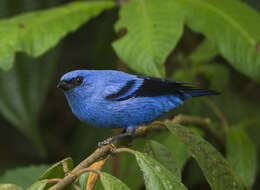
(106, 150)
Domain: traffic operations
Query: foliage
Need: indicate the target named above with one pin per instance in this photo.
(242, 155)
(24, 176)
(214, 42)
(35, 33)
(148, 40)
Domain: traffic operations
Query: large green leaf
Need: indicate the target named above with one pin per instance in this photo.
(156, 176)
(160, 153)
(38, 185)
(132, 176)
(232, 26)
(242, 155)
(111, 183)
(36, 32)
(22, 92)
(57, 169)
(152, 32)
(214, 167)
(23, 176)
(174, 145)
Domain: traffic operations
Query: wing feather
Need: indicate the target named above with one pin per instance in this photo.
(143, 86)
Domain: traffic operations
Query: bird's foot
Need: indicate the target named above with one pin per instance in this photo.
(105, 142)
(126, 132)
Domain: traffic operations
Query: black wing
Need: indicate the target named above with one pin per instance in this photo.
(151, 87)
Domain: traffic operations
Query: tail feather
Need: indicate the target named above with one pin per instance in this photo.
(201, 92)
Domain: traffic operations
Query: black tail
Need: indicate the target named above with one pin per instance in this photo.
(201, 92)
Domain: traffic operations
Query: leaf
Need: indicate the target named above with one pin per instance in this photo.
(214, 167)
(22, 92)
(217, 75)
(111, 183)
(36, 32)
(82, 180)
(160, 153)
(156, 176)
(242, 155)
(205, 52)
(39, 185)
(176, 147)
(132, 175)
(235, 35)
(10, 187)
(23, 176)
(152, 33)
(58, 169)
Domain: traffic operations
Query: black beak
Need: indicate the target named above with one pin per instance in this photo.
(63, 85)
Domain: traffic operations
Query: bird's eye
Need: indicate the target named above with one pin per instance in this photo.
(78, 80)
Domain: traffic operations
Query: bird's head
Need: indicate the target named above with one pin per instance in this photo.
(76, 81)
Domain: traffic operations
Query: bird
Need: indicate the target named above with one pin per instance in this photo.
(115, 99)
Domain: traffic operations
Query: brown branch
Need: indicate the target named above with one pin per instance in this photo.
(119, 150)
(54, 180)
(65, 167)
(84, 170)
(106, 150)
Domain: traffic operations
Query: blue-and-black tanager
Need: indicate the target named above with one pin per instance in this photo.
(114, 99)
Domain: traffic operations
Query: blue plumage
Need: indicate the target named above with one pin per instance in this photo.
(113, 99)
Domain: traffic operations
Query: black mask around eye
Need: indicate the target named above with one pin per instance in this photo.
(67, 85)
(76, 81)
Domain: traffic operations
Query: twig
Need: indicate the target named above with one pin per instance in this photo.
(119, 150)
(65, 167)
(106, 150)
(54, 180)
(84, 170)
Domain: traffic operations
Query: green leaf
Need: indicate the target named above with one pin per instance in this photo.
(39, 185)
(10, 187)
(36, 32)
(235, 35)
(132, 176)
(57, 170)
(111, 183)
(156, 176)
(152, 33)
(82, 180)
(22, 93)
(23, 177)
(205, 52)
(216, 74)
(160, 153)
(242, 155)
(214, 167)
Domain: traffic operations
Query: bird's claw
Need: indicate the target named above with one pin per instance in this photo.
(105, 142)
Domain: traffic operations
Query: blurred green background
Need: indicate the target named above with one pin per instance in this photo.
(36, 123)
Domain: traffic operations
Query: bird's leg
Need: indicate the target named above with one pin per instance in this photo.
(129, 131)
